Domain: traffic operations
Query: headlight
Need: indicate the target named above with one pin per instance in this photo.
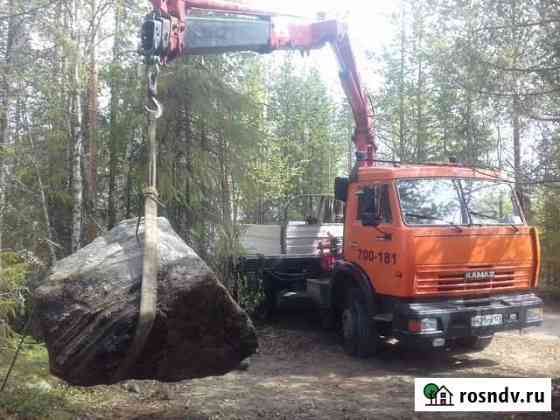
(422, 325)
(429, 324)
(534, 314)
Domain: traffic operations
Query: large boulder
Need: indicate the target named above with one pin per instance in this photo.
(87, 309)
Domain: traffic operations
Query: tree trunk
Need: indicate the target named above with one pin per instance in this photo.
(420, 146)
(420, 137)
(4, 120)
(225, 185)
(402, 140)
(188, 133)
(77, 136)
(129, 182)
(114, 133)
(4, 133)
(471, 143)
(44, 203)
(92, 139)
(3, 143)
(517, 152)
(499, 146)
(516, 113)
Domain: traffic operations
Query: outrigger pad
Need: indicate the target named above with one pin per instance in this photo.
(87, 310)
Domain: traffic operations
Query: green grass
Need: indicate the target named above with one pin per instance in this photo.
(32, 393)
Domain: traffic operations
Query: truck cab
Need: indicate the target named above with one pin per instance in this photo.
(436, 256)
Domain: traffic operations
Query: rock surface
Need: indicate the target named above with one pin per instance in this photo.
(87, 309)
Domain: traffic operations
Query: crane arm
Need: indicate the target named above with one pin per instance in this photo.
(172, 30)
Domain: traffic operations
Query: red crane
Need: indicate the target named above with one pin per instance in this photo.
(172, 30)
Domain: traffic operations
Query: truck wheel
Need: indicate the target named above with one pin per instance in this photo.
(328, 319)
(358, 331)
(475, 344)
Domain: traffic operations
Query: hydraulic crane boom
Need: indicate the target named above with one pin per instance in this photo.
(171, 30)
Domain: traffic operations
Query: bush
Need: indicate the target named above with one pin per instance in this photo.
(12, 290)
(250, 295)
(226, 252)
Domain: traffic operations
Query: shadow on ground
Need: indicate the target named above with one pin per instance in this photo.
(300, 328)
(302, 372)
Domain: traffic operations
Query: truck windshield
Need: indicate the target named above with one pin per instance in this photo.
(440, 201)
(490, 203)
(430, 202)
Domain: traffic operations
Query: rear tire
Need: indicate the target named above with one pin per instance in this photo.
(359, 335)
(328, 319)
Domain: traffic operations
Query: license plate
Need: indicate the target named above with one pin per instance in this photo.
(486, 320)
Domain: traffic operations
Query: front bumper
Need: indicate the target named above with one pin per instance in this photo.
(454, 318)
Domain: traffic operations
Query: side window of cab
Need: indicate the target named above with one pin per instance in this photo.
(374, 207)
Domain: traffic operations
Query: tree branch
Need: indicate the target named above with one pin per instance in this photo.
(519, 25)
(552, 118)
(532, 69)
(29, 11)
(507, 95)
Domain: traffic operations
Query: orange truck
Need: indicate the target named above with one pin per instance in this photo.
(436, 256)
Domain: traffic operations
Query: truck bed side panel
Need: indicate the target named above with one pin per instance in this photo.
(261, 239)
(304, 239)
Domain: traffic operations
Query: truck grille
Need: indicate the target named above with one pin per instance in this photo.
(451, 281)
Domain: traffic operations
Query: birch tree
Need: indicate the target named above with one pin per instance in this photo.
(5, 99)
(76, 129)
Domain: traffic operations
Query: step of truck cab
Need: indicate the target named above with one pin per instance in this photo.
(319, 290)
(384, 317)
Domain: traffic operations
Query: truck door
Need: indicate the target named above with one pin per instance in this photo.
(373, 248)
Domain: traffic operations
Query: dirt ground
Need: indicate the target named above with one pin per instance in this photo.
(302, 372)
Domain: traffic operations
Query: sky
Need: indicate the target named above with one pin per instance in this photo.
(368, 20)
(369, 25)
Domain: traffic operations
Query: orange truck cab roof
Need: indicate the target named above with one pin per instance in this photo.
(396, 171)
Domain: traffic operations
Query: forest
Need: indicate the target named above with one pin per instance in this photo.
(477, 81)
(241, 133)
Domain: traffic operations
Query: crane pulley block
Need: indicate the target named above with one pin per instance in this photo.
(156, 30)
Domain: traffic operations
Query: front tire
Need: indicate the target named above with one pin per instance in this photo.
(359, 335)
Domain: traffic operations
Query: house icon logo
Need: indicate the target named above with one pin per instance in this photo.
(439, 396)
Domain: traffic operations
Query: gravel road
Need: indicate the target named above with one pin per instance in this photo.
(302, 372)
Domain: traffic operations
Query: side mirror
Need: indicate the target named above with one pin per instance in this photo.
(341, 188)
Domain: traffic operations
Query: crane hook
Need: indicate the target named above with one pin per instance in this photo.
(153, 73)
(157, 111)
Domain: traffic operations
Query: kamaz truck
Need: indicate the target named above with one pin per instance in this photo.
(436, 256)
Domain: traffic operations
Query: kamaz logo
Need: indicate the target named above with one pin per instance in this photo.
(480, 275)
